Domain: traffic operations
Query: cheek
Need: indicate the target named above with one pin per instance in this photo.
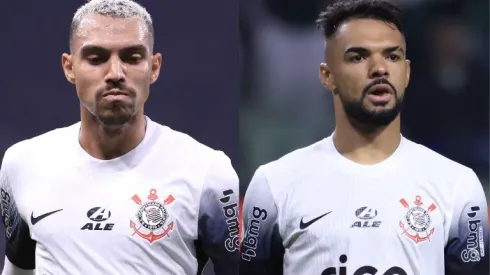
(399, 78)
(140, 79)
(86, 86)
(138, 73)
(351, 84)
(88, 75)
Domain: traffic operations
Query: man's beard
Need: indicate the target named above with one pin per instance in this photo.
(116, 113)
(366, 120)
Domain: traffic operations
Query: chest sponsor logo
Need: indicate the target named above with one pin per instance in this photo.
(152, 220)
(363, 270)
(417, 223)
(366, 218)
(98, 217)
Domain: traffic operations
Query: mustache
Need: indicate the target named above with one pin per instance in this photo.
(378, 81)
(115, 85)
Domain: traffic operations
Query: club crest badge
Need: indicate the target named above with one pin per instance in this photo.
(151, 221)
(417, 223)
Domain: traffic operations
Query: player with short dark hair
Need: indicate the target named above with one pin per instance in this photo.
(117, 193)
(365, 200)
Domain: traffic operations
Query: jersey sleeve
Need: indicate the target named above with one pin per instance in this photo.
(19, 248)
(261, 249)
(10, 269)
(218, 224)
(467, 247)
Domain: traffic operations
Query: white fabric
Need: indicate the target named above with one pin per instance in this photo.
(174, 185)
(395, 217)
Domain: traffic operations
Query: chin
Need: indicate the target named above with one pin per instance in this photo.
(379, 110)
(115, 119)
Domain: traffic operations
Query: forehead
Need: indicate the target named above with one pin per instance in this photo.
(368, 33)
(110, 33)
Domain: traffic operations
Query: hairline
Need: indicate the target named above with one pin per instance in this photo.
(76, 26)
(362, 17)
(116, 9)
(330, 40)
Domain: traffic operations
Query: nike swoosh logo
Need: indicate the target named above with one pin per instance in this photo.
(37, 219)
(304, 225)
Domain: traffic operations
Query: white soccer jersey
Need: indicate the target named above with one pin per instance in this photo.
(163, 208)
(314, 212)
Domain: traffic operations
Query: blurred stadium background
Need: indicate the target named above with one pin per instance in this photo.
(284, 106)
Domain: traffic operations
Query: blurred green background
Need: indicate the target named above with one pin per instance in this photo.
(284, 106)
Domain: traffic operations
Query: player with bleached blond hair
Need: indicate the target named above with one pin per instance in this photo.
(116, 193)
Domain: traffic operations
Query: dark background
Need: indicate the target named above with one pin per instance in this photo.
(198, 89)
(284, 106)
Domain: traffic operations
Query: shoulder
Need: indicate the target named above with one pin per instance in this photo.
(38, 147)
(287, 169)
(184, 143)
(452, 179)
(192, 153)
(435, 163)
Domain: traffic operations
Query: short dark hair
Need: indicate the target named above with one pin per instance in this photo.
(343, 10)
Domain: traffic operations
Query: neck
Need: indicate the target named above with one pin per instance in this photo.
(109, 142)
(366, 147)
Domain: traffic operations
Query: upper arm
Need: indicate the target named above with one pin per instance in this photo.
(19, 248)
(262, 250)
(218, 225)
(467, 247)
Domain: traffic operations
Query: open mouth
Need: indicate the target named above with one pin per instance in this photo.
(380, 89)
(379, 92)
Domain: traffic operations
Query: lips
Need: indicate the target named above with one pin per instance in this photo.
(380, 94)
(115, 92)
(380, 89)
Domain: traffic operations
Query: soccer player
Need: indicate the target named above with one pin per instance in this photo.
(364, 200)
(117, 193)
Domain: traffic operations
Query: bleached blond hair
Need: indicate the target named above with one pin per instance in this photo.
(115, 9)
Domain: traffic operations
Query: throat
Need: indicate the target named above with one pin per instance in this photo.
(109, 148)
(106, 142)
(368, 155)
(364, 149)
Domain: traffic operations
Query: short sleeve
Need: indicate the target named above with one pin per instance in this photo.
(466, 251)
(20, 248)
(261, 250)
(218, 221)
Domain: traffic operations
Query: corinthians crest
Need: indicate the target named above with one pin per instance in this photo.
(417, 222)
(151, 221)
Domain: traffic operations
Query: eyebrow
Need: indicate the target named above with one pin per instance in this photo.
(361, 50)
(86, 49)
